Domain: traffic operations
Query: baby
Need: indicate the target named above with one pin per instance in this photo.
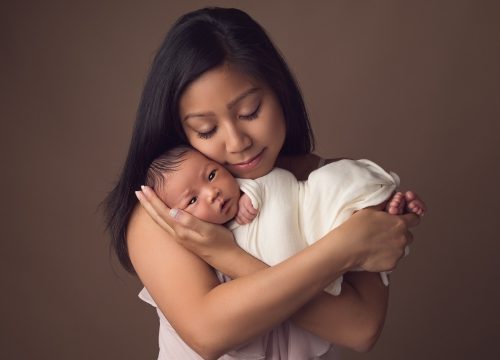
(275, 216)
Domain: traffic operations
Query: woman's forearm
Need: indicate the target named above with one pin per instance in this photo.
(236, 263)
(374, 296)
(353, 319)
(268, 295)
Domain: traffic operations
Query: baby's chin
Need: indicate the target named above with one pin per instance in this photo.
(229, 216)
(220, 219)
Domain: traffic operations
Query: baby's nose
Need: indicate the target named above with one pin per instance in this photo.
(214, 193)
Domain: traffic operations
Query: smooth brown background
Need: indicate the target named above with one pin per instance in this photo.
(412, 85)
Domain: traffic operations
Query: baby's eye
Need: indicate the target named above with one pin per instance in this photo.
(211, 176)
(192, 201)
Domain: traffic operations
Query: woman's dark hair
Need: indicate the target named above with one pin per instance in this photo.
(199, 41)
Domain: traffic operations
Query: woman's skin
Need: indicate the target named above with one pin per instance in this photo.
(238, 122)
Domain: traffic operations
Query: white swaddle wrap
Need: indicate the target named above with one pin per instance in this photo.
(294, 214)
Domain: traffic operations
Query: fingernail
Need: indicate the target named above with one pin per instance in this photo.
(143, 187)
(138, 195)
(173, 213)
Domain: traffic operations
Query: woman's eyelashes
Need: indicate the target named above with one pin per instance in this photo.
(207, 134)
(252, 116)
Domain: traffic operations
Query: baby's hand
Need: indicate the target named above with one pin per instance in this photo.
(409, 202)
(246, 212)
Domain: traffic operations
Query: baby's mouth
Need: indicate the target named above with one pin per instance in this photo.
(224, 205)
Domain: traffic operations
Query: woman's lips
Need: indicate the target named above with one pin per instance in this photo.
(249, 164)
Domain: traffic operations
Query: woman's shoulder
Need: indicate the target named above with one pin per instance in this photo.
(153, 252)
(170, 272)
(141, 226)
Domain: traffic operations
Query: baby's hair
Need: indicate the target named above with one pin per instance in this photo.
(167, 162)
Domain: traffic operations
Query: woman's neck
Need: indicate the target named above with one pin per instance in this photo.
(300, 165)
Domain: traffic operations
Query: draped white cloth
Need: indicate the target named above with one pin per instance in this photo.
(294, 214)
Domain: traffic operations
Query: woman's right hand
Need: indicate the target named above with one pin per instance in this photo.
(378, 238)
(200, 237)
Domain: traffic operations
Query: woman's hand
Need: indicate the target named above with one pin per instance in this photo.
(200, 237)
(379, 239)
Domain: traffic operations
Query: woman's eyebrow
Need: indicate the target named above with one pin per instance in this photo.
(197, 115)
(242, 96)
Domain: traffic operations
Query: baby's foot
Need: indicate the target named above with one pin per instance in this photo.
(414, 204)
(396, 205)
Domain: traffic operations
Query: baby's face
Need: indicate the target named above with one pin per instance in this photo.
(203, 188)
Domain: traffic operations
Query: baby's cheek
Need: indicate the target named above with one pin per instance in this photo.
(233, 212)
(202, 214)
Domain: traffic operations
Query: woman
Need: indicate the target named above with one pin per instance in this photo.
(218, 84)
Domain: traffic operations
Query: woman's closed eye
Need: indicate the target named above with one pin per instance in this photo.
(253, 115)
(207, 134)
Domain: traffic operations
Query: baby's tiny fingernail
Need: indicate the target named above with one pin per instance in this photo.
(174, 213)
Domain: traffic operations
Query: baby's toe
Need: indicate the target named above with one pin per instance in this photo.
(410, 195)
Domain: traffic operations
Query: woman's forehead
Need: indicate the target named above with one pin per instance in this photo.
(221, 86)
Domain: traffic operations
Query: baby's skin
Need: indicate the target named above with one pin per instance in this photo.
(402, 203)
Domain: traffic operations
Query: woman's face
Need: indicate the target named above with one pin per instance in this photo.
(235, 120)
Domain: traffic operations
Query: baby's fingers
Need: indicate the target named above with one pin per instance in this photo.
(155, 208)
(242, 218)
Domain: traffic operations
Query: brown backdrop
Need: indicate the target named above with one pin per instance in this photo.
(412, 85)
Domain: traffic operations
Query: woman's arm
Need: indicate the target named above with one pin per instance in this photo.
(213, 318)
(387, 234)
(353, 319)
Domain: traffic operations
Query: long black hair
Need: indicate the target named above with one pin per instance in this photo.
(199, 41)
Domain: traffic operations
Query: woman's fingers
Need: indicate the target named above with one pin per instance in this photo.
(189, 223)
(175, 221)
(410, 219)
(409, 238)
(156, 208)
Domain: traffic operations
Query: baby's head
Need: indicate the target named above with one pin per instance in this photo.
(185, 179)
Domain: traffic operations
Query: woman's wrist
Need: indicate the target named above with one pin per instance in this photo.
(234, 262)
(342, 238)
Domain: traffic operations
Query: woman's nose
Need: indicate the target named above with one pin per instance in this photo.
(237, 140)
